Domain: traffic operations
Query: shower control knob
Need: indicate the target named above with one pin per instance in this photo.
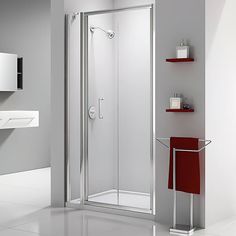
(92, 113)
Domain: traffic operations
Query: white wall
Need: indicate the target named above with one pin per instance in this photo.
(25, 30)
(220, 113)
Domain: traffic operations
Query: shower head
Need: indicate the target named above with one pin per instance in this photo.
(110, 33)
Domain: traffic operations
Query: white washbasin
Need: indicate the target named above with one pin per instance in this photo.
(18, 119)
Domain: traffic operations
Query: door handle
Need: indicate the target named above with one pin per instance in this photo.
(100, 100)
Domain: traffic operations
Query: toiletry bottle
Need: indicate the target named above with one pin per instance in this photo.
(182, 51)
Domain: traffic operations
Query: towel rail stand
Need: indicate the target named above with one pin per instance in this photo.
(181, 229)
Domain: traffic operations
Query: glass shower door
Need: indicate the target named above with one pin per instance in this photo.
(118, 107)
(102, 104)
(135, 106)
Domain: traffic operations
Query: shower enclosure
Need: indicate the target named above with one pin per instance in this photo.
(117, 104)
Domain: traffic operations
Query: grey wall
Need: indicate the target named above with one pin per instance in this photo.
(57, 104)
(177, 20)
(25, 30)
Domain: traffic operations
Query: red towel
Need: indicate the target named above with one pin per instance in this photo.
(187, 165)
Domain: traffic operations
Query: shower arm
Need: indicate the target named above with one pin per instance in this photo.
(93, 28)
(110, 34)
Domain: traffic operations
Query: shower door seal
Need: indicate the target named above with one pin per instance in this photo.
(84, 203)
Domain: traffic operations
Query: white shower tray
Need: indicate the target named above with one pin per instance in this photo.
(19, 119)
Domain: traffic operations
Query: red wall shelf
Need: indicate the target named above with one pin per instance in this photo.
(180, 110)
(174, 60)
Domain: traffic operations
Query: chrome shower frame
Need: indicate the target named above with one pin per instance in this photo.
(84, 203)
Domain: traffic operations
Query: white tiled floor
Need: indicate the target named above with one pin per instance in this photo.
(27, 215)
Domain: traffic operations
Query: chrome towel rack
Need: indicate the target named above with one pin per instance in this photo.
(181, 229)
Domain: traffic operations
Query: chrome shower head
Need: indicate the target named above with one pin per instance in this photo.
(110, 33)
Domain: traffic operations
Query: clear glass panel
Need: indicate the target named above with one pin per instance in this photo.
(101, 98)
(134, 102)
(119, 105)
(73, 111)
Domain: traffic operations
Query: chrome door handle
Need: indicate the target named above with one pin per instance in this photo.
(100, 100)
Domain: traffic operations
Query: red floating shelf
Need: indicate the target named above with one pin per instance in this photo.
(174, 60)
(180, 110)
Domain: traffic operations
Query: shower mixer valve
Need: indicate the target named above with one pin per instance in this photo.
(92, 113)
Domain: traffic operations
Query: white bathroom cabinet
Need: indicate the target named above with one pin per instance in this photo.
(11, 72)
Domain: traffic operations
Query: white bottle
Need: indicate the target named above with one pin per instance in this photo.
(182, 51)
(176, 102)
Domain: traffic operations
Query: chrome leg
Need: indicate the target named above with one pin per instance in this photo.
(191, 210)
(180, 229)
(174, 188)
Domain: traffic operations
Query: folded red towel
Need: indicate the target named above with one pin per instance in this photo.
(187, 165)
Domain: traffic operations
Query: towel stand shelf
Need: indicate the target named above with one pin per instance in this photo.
(181, 229)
